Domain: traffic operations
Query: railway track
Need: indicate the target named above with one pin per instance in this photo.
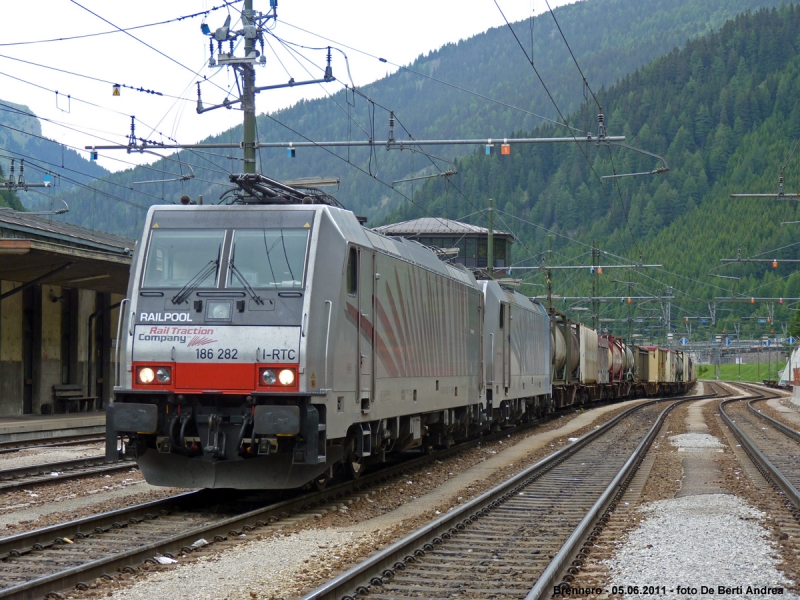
(516, 540)
(36, 475)
(16, 446)
(63, 556)
(770, 444)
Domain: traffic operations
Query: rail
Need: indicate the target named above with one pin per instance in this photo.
(761, 461)
(43, 474)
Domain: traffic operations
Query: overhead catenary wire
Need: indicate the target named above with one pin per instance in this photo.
(77, 99)
(355, 166)
(563, 118)
(571, 53)
(151, 47)
(123, 30)
(441, 81)
(90, 77)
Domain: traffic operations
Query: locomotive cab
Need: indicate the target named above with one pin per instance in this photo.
(213, 389)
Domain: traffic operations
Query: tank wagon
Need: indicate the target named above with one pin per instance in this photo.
(274, 342)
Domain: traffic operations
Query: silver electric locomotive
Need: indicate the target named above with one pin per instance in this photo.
(270, 343)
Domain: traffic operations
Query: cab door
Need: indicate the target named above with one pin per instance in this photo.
(366, 326)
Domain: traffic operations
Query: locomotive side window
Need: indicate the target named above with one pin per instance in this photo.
(177, 256)
(268, 257)
(352, 272)
(502, 314)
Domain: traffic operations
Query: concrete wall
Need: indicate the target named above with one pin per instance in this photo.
(11, 368)
(49, 361)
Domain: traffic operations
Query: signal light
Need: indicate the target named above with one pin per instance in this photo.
(780, 300)
(489, 149)
(629, 300)
(291, 152)
(775, 263)
(505, 149)
(599, 270)
(752, 300)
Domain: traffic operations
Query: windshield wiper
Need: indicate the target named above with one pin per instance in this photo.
(235, 270)
(195, 282)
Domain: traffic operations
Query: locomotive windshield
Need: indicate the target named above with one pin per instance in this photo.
(268, 257)
(178, 255)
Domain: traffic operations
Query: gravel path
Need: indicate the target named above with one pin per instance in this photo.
(695, 440)
(709, 540)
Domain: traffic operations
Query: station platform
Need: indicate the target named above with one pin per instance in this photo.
(32, 427)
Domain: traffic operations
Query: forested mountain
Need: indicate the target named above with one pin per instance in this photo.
(723, 111)
(610, 38)
(21, 138)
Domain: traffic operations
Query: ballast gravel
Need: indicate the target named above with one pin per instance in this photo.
(268, 566)
(40, 456)
(706, 540)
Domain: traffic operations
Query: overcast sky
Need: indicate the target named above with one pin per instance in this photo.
(397, 31)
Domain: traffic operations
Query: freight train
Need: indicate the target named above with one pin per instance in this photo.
(275, 342)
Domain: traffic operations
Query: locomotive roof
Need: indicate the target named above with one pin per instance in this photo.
(439, 227)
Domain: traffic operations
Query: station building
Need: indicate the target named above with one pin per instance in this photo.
(60, 290)
(472, 241)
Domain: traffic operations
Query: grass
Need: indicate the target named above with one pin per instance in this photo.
(749, 372)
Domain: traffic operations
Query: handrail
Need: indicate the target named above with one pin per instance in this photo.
(117, 373)
(327, 339)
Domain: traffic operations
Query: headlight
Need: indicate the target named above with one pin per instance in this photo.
(146, 375)
(286, 377)
(268, 377)
(163, 374)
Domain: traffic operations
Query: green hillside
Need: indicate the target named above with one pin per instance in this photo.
(724, 113)
(753, 373)
(611, 38)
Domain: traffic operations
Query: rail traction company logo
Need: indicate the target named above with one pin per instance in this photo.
(200, 341)
(179, 334)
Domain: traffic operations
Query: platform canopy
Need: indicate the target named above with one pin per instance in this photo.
(35, 249)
